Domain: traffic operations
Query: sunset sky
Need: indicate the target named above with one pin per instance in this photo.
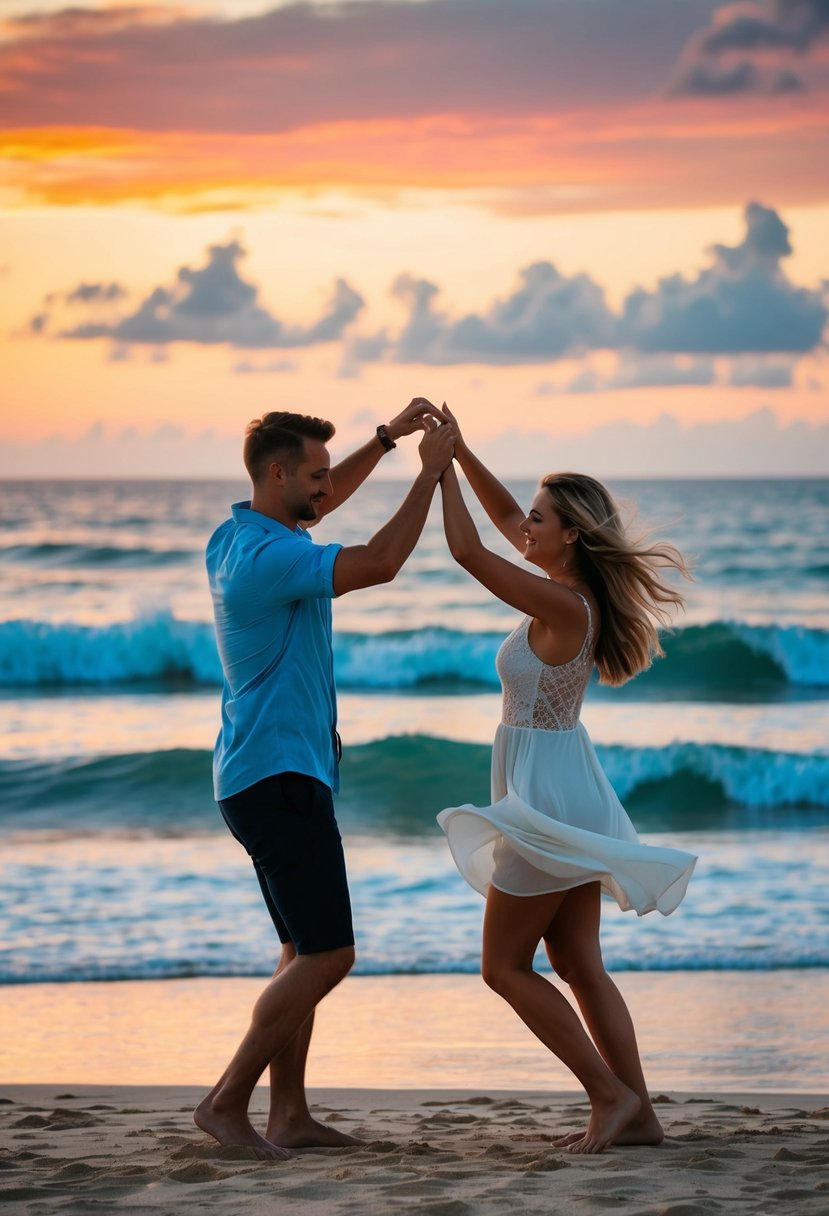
(598, 228)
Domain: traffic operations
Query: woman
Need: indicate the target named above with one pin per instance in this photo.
(556, 835)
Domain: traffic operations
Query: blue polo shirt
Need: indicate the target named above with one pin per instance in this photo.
(272, 589)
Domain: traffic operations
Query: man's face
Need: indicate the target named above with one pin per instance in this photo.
(310, 481)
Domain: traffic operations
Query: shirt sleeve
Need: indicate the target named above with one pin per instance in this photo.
(293, 568)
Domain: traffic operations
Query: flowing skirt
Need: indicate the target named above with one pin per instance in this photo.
(555, 823)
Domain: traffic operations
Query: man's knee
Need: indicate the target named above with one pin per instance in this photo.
(336, 963)
(346, 956)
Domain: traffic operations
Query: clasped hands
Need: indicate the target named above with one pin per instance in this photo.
(441, 433)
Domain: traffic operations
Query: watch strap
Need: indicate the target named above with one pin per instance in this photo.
(385, 438)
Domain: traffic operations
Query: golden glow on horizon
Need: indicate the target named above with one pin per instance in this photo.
(590, 161)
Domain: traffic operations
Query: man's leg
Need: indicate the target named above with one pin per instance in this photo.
(290, 1123)
(286, 1004)
(288, 826)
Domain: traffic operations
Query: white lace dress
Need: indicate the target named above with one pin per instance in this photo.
(555, 821)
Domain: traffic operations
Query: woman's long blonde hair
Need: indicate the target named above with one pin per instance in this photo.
(622, 573)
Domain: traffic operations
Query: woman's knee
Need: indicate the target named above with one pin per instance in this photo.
(490, 973)
(499, 974)
(576, 969)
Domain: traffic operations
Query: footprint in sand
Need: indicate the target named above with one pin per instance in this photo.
(31, 1121)
(543, 1165)
(200, 1171)
(690, 1209)
(26, 1192)
(215, 1152)
(76, 1169)
(445, 1207)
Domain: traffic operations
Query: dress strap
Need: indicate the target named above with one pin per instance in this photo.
(588, 637)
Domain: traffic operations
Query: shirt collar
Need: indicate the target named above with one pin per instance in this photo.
(243, 513)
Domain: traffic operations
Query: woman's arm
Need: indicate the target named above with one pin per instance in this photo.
(556, 606)
(495, 498)
(380, 559)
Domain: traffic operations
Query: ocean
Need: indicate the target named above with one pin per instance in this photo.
(116, 865)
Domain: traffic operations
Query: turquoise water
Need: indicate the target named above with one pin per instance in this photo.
(115, 863)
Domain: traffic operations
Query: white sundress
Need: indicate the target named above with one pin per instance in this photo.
(555, 821)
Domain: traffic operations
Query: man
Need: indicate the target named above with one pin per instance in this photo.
(276, 757)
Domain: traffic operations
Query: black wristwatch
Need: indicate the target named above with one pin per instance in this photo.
(385, 438)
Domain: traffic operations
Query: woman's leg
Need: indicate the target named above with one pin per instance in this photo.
(573, 948)
(513, 927)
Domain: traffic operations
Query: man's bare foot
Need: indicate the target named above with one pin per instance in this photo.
(232, 1129)
(307, 1132)
(645, 1130)
(607, 1121)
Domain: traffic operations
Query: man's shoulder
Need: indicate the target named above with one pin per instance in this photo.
(239, 545)
(219, 540)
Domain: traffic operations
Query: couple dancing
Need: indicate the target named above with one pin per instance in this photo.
(555, 835)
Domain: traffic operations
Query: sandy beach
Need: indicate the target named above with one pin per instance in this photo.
(441, 1152)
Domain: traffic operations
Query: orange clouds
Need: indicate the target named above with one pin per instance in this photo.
(552, 107)
(596, 161)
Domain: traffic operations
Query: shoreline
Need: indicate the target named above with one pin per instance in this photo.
(445, 1152)
(700, 1032)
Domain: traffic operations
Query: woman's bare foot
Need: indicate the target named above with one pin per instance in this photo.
(566, 1141)
(307, 1132)
(607, 1120)
(643, 1129)
(233, 1128)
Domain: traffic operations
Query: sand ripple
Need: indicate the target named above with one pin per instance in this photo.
(445, 1155)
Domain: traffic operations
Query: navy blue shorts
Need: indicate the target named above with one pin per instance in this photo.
(287, 825)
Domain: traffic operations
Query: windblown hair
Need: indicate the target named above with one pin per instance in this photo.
(281, 434)
(623, 574)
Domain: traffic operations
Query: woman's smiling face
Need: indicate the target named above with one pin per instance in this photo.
(547, 540)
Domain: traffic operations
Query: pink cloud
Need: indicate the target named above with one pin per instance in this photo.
(148, 69)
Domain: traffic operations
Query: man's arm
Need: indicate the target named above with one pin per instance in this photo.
(379, 560)
(349, 474)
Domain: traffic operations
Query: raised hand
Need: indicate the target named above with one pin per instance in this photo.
(460, 445)
(412, 418)
(437, 445)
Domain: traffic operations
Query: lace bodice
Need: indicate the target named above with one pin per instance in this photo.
(536, 694)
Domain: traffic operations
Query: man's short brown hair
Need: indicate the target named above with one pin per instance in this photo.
(282, 435)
